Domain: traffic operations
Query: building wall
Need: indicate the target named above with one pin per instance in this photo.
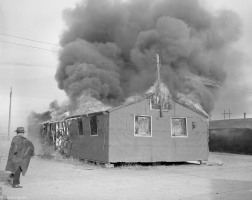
(125, 147)
(231, 140)
(231, 123)
(90, 147)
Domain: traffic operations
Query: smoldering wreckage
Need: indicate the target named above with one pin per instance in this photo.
(107, 70)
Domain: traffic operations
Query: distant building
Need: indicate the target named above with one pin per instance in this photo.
(232, 136)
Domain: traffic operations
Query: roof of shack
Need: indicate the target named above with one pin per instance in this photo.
(186, 103)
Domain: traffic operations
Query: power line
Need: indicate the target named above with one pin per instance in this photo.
(213, 83)
(237, 87)
(191, 76)
(28, 46)
(229, 86)
(121, 61)
(29, 39)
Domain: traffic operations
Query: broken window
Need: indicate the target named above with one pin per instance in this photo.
(80, 127)
(155, 103)
(68, 124)
(93, 125)
(178, 128)
(142, 125)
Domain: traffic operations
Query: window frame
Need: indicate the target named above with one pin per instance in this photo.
(158, 109)
(138, 135)
(68, 124)
(78, 123)
(179, 136)
(91, 127)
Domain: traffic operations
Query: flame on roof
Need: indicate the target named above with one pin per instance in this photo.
(91, 105)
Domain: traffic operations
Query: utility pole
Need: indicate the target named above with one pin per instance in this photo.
(227, 113)
(159, 86)
(224, 114)
(9, 124)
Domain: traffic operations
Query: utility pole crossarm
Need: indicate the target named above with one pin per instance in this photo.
(227, 113)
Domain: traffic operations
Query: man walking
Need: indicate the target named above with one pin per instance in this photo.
(20, 153)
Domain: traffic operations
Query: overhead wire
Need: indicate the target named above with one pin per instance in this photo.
(28, 46)
(205, 80)
(213, 83)
(14, 36)
(225, 85)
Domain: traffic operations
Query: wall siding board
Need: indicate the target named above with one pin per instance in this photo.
(126, 147)
(87, 146)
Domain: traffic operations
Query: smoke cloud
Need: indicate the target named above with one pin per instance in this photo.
(35, 128)
(56, 112)
(109, 48)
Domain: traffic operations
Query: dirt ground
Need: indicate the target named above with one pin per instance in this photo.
(224, 177)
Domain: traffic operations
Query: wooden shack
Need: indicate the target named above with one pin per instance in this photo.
(139, 132)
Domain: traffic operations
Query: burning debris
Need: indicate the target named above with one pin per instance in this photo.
(87, 104)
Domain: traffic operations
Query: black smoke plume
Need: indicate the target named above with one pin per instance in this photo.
(109, 48)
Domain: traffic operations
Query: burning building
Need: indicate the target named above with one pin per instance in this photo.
(137, 131)
(108, 50)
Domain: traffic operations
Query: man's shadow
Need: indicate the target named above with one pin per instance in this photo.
(5, 178)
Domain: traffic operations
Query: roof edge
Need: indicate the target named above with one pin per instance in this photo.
(191, 108)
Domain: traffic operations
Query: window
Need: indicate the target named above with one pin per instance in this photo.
(68, 126)
(155, 103)
(93, 125)
(80, 127)
(142, 126)
(178, 127)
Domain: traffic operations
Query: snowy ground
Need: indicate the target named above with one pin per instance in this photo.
(69, 179)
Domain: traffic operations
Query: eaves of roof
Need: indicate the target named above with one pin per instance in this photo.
(139, 100)
(191, 108)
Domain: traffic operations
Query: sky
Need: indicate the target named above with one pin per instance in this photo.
(31, 71)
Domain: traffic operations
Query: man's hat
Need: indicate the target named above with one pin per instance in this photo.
(20, 130)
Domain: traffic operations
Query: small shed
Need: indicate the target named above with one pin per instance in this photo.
(138, 132)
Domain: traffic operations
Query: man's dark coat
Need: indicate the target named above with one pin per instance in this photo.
(20, 153)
